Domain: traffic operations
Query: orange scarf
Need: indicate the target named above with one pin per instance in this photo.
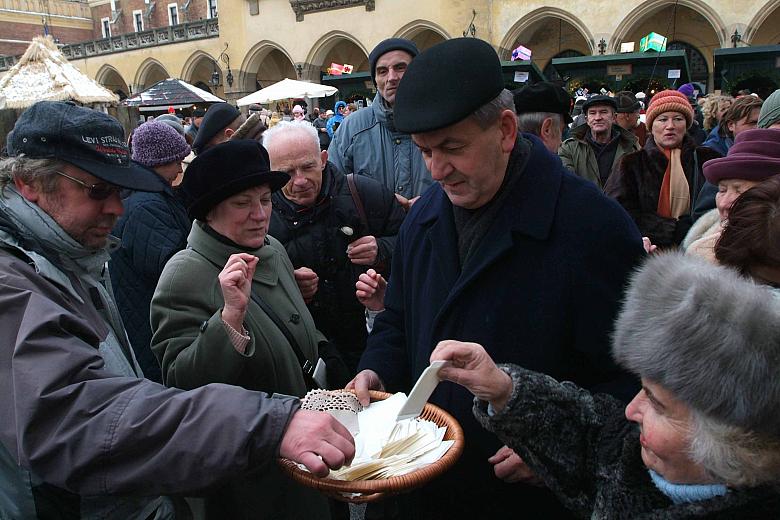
(675, 198)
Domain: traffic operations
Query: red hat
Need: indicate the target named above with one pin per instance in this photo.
(754, 156)
(669, 101)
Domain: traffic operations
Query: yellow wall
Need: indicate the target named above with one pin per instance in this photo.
(352, 32)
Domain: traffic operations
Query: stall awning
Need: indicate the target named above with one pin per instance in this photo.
(617, 70)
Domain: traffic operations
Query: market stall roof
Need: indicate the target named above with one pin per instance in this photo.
(169, 92)
(735, 64)
(44, 74)
(626, 65)
(521, 72)
(287, 89)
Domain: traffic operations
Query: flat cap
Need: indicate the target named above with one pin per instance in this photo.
(446, 83)
(218, 116)
(599, 99)
(543, 97)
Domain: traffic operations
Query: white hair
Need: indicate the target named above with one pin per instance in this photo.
(285, 127)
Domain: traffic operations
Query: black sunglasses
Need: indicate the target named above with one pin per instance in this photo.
(101, 190)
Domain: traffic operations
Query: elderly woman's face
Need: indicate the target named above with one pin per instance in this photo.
(669, 129)
(728, 191)
(665, 425)
(244, 217)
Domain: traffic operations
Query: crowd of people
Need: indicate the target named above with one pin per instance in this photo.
(602, 275)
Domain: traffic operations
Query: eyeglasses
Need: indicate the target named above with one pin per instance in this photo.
(99, 191)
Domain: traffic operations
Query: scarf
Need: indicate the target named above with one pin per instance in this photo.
(43, 237)
(682, 493)
(675, 197)
(26, 226)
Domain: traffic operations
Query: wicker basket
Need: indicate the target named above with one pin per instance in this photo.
(372, 490)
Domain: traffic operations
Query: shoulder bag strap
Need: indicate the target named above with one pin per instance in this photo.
(356, 199)
(306, 367)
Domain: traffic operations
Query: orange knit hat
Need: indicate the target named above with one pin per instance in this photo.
(668, 101)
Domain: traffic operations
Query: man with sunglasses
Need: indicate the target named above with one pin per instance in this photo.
(82, 433)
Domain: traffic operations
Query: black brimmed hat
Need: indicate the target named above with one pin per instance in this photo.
(225, 170)
(86, 138)
(543, 97)
(219, 116)
(626, 102)
(447, 83)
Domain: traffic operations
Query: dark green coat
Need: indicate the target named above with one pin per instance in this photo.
(193, 348)
(190, 340)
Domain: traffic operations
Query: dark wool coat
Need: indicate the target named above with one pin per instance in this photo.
(541, 290)
(153, 228)
(589, 455)
(636, 185)
(313, 239)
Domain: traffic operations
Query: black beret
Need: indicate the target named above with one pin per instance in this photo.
(543, 97)
(219, 116)
(447, 83)
(390, 44)
(598, 100)
(626, 102)
(225, 170)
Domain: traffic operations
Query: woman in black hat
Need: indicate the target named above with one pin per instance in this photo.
(221, 305)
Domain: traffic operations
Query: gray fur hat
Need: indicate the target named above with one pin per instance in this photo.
(706, 334)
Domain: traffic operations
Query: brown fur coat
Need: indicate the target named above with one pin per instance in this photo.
(636, 184)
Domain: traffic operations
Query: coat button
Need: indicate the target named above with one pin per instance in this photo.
(397, 141)
(295, 319)
(204, 326)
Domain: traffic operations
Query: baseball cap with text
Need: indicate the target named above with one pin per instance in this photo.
(86, 138)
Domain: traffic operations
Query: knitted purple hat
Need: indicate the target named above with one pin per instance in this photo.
(155, 143)
(755, 156)
(686, 89)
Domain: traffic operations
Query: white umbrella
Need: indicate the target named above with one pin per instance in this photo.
(43, 73)
(285, 89)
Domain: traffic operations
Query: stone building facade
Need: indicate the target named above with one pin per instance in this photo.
(264, 41)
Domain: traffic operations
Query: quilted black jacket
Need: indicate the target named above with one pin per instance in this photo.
(153, 228)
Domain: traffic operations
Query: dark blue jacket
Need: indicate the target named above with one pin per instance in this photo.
(153, 228)
(541, 291)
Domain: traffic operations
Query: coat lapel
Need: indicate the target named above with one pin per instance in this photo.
(528, 212)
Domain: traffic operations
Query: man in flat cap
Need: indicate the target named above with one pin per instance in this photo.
(597, 146)
(221, 121)
(369, 143)
(82, 433)
(508, 249)
(543, 110)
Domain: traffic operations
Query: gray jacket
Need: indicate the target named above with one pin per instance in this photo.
(82, 434)
(368, 144)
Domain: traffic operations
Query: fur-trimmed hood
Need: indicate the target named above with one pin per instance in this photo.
(706, 334)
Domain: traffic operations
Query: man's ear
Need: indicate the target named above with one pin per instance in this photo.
(324, 158)
(229, 132)
(508, 127)
(30, 192)
(546, 127)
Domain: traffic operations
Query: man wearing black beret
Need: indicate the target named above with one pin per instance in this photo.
(220, 122)
(507, 249)
(368, 141)
(543, 110)
(596, 147)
